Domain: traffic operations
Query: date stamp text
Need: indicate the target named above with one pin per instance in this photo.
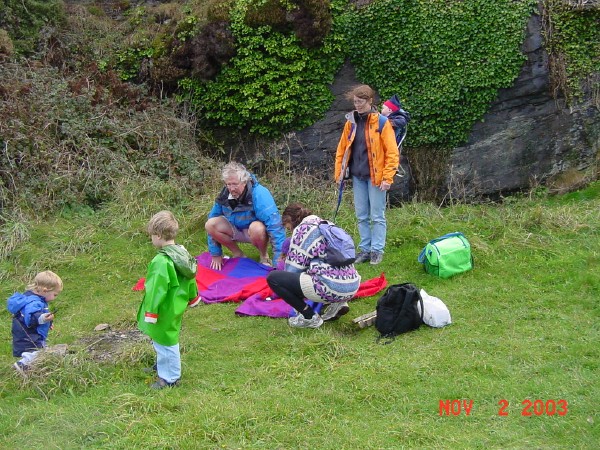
(529, 407)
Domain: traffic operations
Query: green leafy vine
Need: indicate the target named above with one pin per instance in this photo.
(573, 43)
(445, 59)
(273, 84)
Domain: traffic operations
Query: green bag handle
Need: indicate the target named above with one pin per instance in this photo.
(421, 257)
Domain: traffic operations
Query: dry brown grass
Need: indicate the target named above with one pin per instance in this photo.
(72, 139)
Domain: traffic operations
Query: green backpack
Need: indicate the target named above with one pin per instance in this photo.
(447, 255)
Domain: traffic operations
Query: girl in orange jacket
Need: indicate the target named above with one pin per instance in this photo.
(367, 153)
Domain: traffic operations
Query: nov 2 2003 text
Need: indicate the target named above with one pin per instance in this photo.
(529, 407)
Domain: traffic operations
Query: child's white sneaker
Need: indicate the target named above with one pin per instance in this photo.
(20, 368)
(300, 322)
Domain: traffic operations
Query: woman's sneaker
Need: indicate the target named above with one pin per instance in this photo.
(376, 257)
(362, 257)
(300, 322)
(194, 302)
(161, 384)
(335, 310)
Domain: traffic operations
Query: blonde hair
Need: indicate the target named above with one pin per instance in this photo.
(361, 91)
(163, 224)
(45, 282)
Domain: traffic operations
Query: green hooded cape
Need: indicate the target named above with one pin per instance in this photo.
(170, 284)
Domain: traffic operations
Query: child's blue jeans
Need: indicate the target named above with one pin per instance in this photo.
(168, 362)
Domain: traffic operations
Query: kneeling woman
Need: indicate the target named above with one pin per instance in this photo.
(307, 275)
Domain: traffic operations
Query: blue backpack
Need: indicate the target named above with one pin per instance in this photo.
(340, 246)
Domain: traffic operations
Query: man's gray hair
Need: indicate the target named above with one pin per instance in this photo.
(235, 169)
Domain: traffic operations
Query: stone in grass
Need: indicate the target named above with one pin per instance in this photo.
(58, 349)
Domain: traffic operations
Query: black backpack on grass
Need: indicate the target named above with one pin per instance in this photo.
(397, 310)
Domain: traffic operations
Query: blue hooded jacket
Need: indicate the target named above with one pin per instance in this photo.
(27, 333)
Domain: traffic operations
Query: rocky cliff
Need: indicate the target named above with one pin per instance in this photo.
(527, 136)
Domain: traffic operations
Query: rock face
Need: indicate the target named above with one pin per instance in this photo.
(526, 135)
(314, 147)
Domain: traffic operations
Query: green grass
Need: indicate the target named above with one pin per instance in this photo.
(525, 326)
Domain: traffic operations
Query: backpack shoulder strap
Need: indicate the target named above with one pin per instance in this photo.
(421, 257)
(351, 130)
(382, 121)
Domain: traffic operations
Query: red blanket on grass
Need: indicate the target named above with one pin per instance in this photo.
(245, 279)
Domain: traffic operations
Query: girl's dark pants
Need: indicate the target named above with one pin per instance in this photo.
(287, 286)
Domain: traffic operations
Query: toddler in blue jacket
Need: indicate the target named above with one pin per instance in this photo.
(397, 116)
(31, 317)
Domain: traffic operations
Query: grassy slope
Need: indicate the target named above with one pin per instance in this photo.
(525, 326)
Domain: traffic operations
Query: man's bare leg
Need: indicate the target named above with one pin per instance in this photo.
(260, 239)
(222, 232)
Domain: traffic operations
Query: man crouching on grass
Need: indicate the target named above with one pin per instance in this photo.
(244, 211)
(170, 284)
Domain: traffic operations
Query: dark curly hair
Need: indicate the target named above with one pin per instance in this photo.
(293, 214)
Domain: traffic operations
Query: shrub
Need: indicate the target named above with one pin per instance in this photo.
(6, 45)
(264, 88)
(23, 19)
(93, 137)
(312, 22)
(204, 55)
